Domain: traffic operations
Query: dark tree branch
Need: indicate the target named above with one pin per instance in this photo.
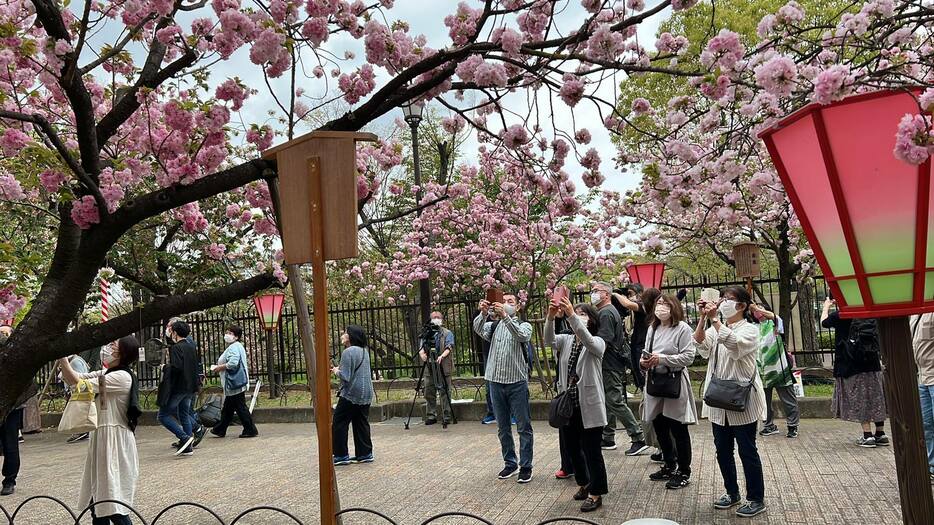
(403, 213)
(89, 336)
(126, 273)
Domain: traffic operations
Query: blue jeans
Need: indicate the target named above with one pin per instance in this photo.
(927, 419)
(489, 401)
(513, 400)
(176, 415)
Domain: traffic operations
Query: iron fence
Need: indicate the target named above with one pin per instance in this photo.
(394, 329)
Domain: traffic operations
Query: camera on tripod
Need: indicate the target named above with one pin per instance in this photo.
(428, 338)
(432, 372)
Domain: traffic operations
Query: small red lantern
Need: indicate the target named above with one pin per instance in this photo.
(269, 308)
(649, 275)
(6, 322)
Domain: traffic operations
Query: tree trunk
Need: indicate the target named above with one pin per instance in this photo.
(808, 325)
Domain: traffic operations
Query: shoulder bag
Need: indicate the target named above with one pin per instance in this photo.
(236, 379)
(560, 410)
(727, 394)
(80, 414)
(664, 384)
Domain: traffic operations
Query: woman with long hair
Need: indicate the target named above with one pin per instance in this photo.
(669, 351)
(353, 398)
(732, 346)
(580, 374)
(112, 466)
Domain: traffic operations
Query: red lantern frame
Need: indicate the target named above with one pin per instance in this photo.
(919, 270)
(269, 309)
(649, 275)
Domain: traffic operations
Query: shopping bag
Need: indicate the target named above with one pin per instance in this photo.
(81, 412)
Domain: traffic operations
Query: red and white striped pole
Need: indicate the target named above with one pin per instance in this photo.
(105, 299)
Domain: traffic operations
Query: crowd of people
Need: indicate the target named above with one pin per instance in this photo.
(595, 345)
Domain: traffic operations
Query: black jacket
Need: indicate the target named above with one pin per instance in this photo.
(183, 368)
(843, 364)
(613, 334)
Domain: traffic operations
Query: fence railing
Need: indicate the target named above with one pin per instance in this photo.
(393, 330)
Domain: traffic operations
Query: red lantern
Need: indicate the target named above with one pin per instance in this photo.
(649, 275)
(866, 214)
(269, 309)
(6, 322)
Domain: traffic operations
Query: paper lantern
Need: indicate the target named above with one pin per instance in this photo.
(649, 275)
(866, 214)
(269, 309)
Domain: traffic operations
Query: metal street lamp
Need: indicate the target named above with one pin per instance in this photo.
(867, 216)
(413, 115)
(269, 309)
(649, 275)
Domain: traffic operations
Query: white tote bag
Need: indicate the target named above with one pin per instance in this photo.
(81, 412)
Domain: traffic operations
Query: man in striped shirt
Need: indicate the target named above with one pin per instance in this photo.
(507, 375)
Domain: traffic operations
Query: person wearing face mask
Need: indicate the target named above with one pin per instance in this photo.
(615, 361)
(507, 375)
(178, 387)
(232, 366)
(775, 369)
(580, 360)
(112, 466)
(732, 346)
(670, 350)
(353, 399)
(444, 363)
(198, 429)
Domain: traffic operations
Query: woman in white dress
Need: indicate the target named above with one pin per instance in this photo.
(112, 465)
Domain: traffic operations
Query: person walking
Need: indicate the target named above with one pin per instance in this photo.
(111, 469)
(615, 361)
(443, 345)
(233, 368)
(858, 393)
(196, 427)
(732, 346)
(580, 358)
(178, 387)
(670, 405)
(922, 338)
(775, 370)
(353, 398)
(508, 381)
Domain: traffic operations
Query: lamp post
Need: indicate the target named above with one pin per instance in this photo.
(269, 309)
(413, 115)
(649, 275)
(866, 215)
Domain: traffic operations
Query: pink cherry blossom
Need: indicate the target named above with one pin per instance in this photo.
(572, 90)
(832, 84)
(641, 106)
(582, 136)
(52, 180)
(10, 189)
(84, 212)
(591, 160)
(358, 84)
(777, 76)
(12, 141)
(914, 141)
(515, 136)
(261, 137)
(216, 251)
(463, 23)
(232, 91)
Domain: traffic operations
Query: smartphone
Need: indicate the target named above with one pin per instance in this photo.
(646, 355)
(560, 294)
(494, 295)
(710, 295)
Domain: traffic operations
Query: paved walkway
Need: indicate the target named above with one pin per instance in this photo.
(819, 478)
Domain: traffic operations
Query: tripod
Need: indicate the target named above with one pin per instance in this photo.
(440, 382)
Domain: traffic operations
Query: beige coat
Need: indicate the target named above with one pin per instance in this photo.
(589, 368)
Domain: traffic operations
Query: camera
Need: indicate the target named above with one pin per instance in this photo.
(429, 333)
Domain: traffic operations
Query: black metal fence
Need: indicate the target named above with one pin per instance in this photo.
(394, 329)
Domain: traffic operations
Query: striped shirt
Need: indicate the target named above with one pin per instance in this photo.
(505, 364)
(736, 347)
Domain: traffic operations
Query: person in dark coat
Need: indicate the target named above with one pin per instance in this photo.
(178, 388)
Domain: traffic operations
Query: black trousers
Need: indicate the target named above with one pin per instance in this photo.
(9, 441)
(586, 455)
(236, 404)
(345, 415)
(745, 438)
(676, 451)
(115, 519)
(564, 448)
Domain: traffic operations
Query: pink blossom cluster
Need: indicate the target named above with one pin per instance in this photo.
(572, 90)
(10, 188)
(216, 251)
(52, 180)
(10, 303)
(261, 137)
(358, 84)
(914, 141)
(582, 136)
(84, 212)
(515, 136)
(533, 21)
(191, 218)
(777, 75)
(641, 106)
(463, 23)
(269, 49)
(668, 43)
(605, 44)
(724, 51)
(481, 72)
(453, 124)
(832, 84)
(12, 141)
(234, 92)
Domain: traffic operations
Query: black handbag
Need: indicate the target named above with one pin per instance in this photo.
(667, 384)
(560, 410)
(727, 394)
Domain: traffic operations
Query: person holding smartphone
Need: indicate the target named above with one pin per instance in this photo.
(669, 351)
(580, 374)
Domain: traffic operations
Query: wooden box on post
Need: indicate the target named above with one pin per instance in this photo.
(747, 257)
(336, 151)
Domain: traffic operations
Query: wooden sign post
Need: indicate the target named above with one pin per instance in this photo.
(317, 205)
(747, 258)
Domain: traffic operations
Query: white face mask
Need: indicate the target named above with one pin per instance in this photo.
(229, 338)
(510, 310)
(437, 321)
(596, 297)
(584, 319)
(728, 308)
(107, 356)
(663, 313)
(168, 333)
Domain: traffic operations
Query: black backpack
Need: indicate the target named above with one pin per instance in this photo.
(862, 342)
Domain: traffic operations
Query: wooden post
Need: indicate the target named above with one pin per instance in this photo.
(901, 395)
(322, 382)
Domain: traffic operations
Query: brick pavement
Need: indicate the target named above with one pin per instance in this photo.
(819, 478)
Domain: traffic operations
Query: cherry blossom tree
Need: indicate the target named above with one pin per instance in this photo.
(114, 106)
